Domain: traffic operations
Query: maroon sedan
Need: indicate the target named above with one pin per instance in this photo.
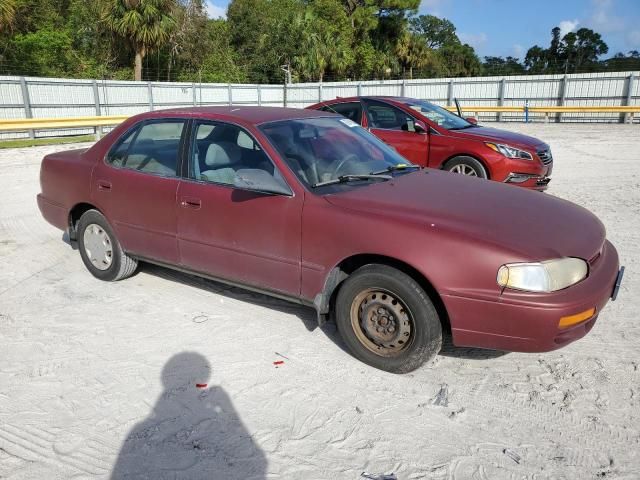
(310, 207)
(431, 136)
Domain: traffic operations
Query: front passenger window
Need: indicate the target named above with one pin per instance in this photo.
(384, 116)
(217, 156)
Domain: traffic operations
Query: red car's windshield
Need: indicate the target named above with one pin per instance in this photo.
(321, 150)
(438, 115)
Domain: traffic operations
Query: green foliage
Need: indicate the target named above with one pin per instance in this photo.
(320, 40)
(7, 13)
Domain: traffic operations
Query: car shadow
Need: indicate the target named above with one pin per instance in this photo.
(467, 353)
(193, 431)
(306, 314)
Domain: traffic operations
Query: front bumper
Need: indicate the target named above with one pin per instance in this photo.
(526, 180)
(523, 322)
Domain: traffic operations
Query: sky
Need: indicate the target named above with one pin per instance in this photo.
(510, 27)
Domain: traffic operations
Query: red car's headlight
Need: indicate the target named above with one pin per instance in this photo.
(509, 151)
(547, 276)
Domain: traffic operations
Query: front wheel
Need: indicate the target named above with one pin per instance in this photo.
(100, 250)
(466, 166)
(387, 320)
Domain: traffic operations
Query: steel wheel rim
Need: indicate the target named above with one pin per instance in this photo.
(382, 322)
(464, 170)
(98, 246)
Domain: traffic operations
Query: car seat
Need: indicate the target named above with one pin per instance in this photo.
(221, 160)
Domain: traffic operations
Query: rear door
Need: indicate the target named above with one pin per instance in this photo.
(230, 233)
(396, 128)
(136, 185)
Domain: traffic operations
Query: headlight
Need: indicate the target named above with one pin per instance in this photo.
(547, 276)
(509, 152)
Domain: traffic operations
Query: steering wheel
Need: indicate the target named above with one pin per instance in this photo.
(349, 158)
(304, 166)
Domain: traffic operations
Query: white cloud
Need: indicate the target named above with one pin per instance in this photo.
(476, 40)
(567, 26)
(214, 11)
(602, 20)
(518, 50)
(433, 7)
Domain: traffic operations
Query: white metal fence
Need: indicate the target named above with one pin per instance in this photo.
(28, 97)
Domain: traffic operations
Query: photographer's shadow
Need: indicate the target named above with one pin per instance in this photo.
(193, 432)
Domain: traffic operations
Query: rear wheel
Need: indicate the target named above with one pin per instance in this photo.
(466, 166)
(387, 320)
(100, 250)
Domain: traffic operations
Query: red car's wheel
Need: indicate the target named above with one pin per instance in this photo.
(387, 320)
(466, 166)
(100, 250)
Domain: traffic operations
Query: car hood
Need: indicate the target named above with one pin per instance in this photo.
(531, 225)
(500, 136)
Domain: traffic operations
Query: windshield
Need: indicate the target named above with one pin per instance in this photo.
(320, 150)
(441, 116)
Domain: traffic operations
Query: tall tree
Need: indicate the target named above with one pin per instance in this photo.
(436, 32)
(145, 24)
(412, 52)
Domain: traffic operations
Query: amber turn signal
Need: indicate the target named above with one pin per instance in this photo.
(570, 320)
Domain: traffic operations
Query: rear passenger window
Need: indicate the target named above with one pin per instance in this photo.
(351, 110)
(153, 148)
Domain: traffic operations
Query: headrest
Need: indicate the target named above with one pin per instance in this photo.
(222, 154)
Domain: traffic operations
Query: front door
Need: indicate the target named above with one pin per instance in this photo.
(136, 188)
(230, 233)
(396, 128)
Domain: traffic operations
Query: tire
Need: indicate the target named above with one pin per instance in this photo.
(365, 304)
(112, 264)
(467, 166)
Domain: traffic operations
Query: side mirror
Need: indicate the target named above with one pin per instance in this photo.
(415, 126)
(420, 127)
(261, 181)
(472, 120)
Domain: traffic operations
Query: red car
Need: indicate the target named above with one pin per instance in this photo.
(310, 207)
(431, 136)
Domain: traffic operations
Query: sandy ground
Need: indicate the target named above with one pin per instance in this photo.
(97, 376)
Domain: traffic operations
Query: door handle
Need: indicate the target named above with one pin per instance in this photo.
(194, 203)
(104, 185)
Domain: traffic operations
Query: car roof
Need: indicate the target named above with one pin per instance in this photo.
(388, 98)
(241, 113)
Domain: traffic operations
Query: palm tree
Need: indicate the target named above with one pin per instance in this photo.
(412, 52)
(7, 13)
(146, 24)
(321, 50)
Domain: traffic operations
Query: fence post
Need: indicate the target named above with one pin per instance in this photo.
(284, 94)
(450, 93)
(319, 92)
(230, 94)
(96, 100)
(359, 89)
(27, 104)
(403, 87)
(195, 98)
(563, 96)
(259, 95)
(626, 117)
(526, 111)
(150, 96)
(501, 89)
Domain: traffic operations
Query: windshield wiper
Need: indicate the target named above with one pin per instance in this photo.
(395, 168)
(350, 178)
(462, 128)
